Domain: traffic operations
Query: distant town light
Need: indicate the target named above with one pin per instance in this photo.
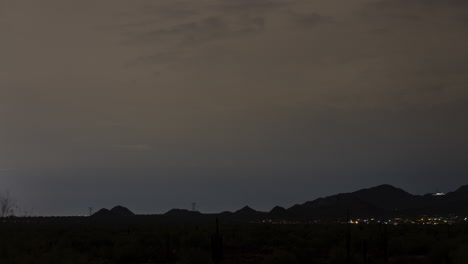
(438, 194)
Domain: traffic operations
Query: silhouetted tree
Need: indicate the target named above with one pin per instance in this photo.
(7, 204)
(385, 242)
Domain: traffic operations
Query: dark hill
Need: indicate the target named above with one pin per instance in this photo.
(121, 211)
(118, 211)
(246, 211)
(386, 197)
(460, 194)
(181, 213)
(382, 200)
(102, 213)
(278, 211)
(335, 206)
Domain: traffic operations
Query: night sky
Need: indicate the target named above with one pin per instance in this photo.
(155, 104)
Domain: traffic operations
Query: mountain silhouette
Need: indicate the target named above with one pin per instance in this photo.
(382, 200)
(121, 211)
(334, 206)
(118, 211)
(278, 211)
(385, 196)
(181, 213)
(379, 201)
(102, 213)
(460, 194)
(246, 211)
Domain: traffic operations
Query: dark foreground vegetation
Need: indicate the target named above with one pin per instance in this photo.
(83, 241)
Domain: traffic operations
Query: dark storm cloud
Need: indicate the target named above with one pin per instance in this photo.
(408, 10)
(310, 19)
(178, 10)
(422, 3)
(252, 6)
(206, 29)
(159, 58)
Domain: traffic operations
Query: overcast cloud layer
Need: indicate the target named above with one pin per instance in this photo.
(154, 104)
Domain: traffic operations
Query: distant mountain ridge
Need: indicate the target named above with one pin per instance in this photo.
(181, 213)
(378, 201)
(383, 200)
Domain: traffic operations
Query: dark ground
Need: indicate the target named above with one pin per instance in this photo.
(82, 240)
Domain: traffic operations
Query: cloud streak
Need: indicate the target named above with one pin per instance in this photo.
(206, 29)
(134, 147)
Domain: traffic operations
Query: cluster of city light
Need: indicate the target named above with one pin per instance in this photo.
(425, 220)
(280, 222)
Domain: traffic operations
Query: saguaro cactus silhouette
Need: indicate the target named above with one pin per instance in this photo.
(385, 242)
(217, 245)
(169, 250)
(365, 259)
(348, 238)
